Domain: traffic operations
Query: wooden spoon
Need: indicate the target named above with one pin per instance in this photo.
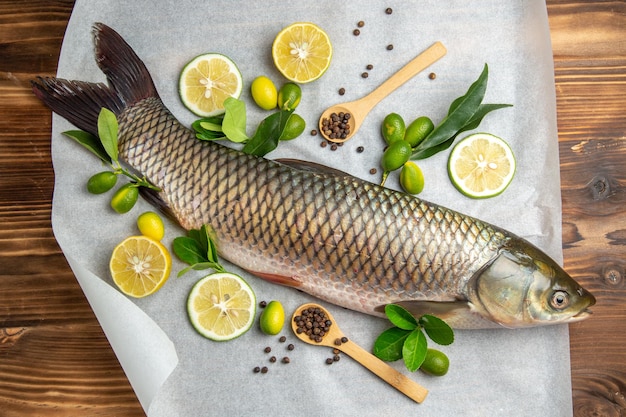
(396, 379)
(359, 109)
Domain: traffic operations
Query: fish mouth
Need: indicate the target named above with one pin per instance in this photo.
(582, 315)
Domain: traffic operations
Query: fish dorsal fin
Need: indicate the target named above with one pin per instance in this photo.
(457, 314)
(301, 165)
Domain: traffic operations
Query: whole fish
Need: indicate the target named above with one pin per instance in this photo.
(336, 237)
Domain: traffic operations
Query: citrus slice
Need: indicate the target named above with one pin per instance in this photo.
(481, 165)
(302, 52)
(221, 306)
(140, 266)
(206, 81)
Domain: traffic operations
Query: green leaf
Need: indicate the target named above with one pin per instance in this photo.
(400, 317)
(91, 142)
(188, 250)
(438, 330)
(209, 128)
(234, 124)
(268, 134)
(107, 131)
(461, 112)
(414, 350)
(388, 345)
(482, 111)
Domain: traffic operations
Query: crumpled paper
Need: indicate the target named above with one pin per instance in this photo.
(176, 372)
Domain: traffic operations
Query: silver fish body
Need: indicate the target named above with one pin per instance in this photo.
(336, 237)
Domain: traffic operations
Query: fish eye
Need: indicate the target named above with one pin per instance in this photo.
(559, 300)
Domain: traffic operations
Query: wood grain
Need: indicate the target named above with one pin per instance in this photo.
(55, 359)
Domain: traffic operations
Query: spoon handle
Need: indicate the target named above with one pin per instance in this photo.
(411, 69)
(390, 375)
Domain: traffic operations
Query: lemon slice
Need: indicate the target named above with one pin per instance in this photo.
(302, 52)
(221, 306)
(206, 81)
(140, 266)
(481, 165)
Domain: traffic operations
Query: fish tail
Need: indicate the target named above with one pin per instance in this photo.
(80, 102)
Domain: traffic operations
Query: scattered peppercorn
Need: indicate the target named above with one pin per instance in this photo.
(337, 342)
(324, 144)
(256, 370)
(333, 147)
(373, 171)
(313, 132)
(432, 75)
(361, 23)
(329, 361)
(263, 304)
(369, 67)
(336, 351)
(267, 349)
(364, 75)
(344, 339)
(390, 47)
(336, 358)
(360, 149)
(273, 359)
(264, 370)
(290, 346)
(356, 32)
(282, 339)
(286, 360)
(342, 91)
(388, 10)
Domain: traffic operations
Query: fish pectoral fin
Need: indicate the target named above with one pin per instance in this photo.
(277, 279)
(457, 314)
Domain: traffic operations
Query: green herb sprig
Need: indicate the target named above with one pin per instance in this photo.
(105, 147)
(465, 113)
(406, 340)
(198, 250)
(232, 126)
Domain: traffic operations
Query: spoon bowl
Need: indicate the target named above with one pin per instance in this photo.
(360, 108)
(336, 339)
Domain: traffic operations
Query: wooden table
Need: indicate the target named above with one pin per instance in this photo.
(54, 357)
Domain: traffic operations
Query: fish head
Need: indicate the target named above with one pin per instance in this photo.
(524, 287)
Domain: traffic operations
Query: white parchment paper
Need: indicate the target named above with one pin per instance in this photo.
(176, 372)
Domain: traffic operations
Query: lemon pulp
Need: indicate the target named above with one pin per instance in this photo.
(302, 52)
(481, 165)
(206, 81)
(140, 266)
(221, 306)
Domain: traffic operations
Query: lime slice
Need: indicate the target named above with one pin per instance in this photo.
(302, 52)
(140, 266)
(206, 81)
(481, 165)
(221, 306)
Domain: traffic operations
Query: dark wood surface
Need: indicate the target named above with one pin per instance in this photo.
(54, 357)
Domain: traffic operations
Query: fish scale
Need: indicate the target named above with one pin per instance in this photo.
(336, 237)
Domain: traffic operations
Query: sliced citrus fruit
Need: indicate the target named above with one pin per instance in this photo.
(221, 306)
(206, 81)
(140, 266)
(302, 52)
(481, 165)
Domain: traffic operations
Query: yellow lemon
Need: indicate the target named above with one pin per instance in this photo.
(264, 92)
(140, 266)
(150, 224)
(302, 52)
